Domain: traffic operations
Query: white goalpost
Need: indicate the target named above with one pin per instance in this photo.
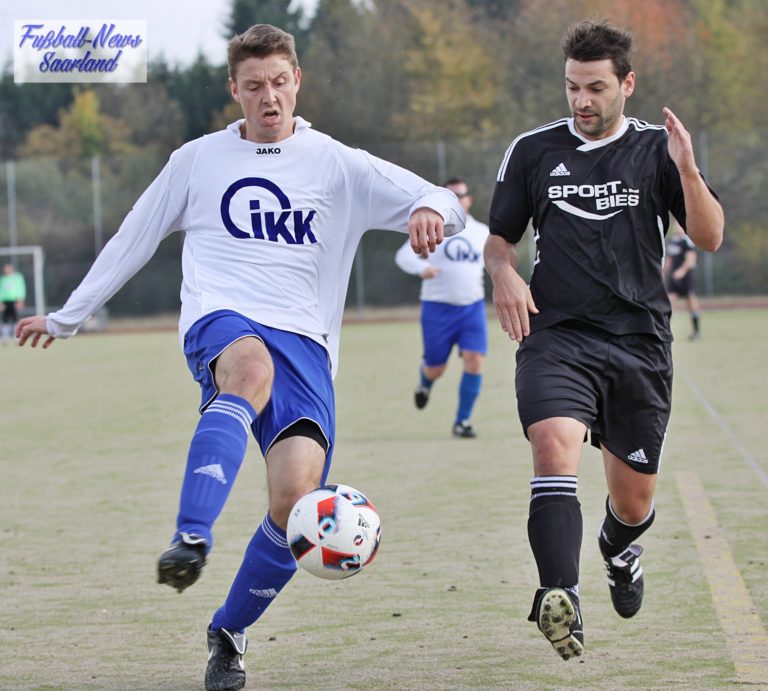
(38, 259)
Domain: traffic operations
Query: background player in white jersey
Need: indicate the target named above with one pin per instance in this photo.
(272, 212)
(679, 270)
(452, 310)
(593, 326)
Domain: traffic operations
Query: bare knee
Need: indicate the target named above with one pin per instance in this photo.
(281, 503)
(294, 467)
(473, 362)
(245, 369)
(634, 508)
(433, 373)
(556, 445)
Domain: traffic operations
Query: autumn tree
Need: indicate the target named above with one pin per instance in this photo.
(453, 81)
(83, 131)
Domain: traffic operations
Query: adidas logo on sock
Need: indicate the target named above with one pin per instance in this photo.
(263, 592)
(559, 170)
(214, 470)
(638, 456)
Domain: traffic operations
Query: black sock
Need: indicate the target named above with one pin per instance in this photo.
(555, 530)
(695, 322)
(616, 536)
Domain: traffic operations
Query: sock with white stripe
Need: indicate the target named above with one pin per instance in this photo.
(616, 535)
(215, 455)
(555, 530)
(267, 566)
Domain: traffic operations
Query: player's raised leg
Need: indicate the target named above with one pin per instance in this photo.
(428, 375)
(629, 513)
(242, 373)
(438, 340)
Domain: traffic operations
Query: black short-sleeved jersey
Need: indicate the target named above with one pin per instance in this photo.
(677, 248)
(600, 212)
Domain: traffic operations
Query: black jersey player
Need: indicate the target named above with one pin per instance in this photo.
(679, 269)
(593, 326)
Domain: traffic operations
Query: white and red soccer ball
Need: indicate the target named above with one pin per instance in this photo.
(334, 531)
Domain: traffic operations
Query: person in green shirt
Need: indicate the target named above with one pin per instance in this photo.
(13, 292)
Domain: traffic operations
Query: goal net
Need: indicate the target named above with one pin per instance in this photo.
(28, 261)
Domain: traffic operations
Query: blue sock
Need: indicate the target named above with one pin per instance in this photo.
(267, 566)
(469, 390)
(425, 383)
(215, 454)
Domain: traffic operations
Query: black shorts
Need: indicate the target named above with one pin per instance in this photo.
(681, 288)
(620, 387)
(10, 316)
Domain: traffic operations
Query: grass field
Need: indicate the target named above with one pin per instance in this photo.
(93, 437)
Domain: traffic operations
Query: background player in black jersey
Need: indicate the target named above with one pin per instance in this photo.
(679, 265)
(593, 326)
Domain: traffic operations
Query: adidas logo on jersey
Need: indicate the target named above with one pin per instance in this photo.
(214, 470)
(559, 170)
(638, 456)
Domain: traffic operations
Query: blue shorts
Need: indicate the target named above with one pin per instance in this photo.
(302, 387)
(443, 326)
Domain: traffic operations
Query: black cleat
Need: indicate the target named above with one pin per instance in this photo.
(558, 616)
(625, 580)
(181, 564)
(421, 397)
(463, 430)
(225, 671)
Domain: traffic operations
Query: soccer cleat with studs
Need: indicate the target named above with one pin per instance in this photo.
(463, 430)
(558, 616)
(180, 565)
(225, 671)
(421, 397)
(625, 580)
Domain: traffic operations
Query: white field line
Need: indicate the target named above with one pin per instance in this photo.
(744, 632)
(726, 430)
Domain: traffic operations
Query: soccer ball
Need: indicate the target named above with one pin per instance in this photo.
(334, 531)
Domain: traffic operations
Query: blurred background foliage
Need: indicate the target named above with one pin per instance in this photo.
(439, 86)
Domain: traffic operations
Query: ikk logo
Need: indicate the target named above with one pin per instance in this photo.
(287, 225)
(458, 249)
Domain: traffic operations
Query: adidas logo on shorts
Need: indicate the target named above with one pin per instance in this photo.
(638, 456)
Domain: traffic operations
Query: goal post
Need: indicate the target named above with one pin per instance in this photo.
(38, 259)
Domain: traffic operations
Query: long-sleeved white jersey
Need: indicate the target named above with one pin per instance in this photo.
(460, 263)
(270, 230)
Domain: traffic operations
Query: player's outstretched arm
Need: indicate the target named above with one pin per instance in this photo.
(511, 295)
(425, 229)
(34, 328)
(704, 215)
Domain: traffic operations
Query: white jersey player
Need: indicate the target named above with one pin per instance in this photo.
(273, 213)
(452, 310)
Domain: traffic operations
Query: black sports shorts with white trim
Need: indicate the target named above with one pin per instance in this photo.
(620, 387)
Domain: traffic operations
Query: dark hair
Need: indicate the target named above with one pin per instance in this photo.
(455, 180)
(587, 41)
(260, 41)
